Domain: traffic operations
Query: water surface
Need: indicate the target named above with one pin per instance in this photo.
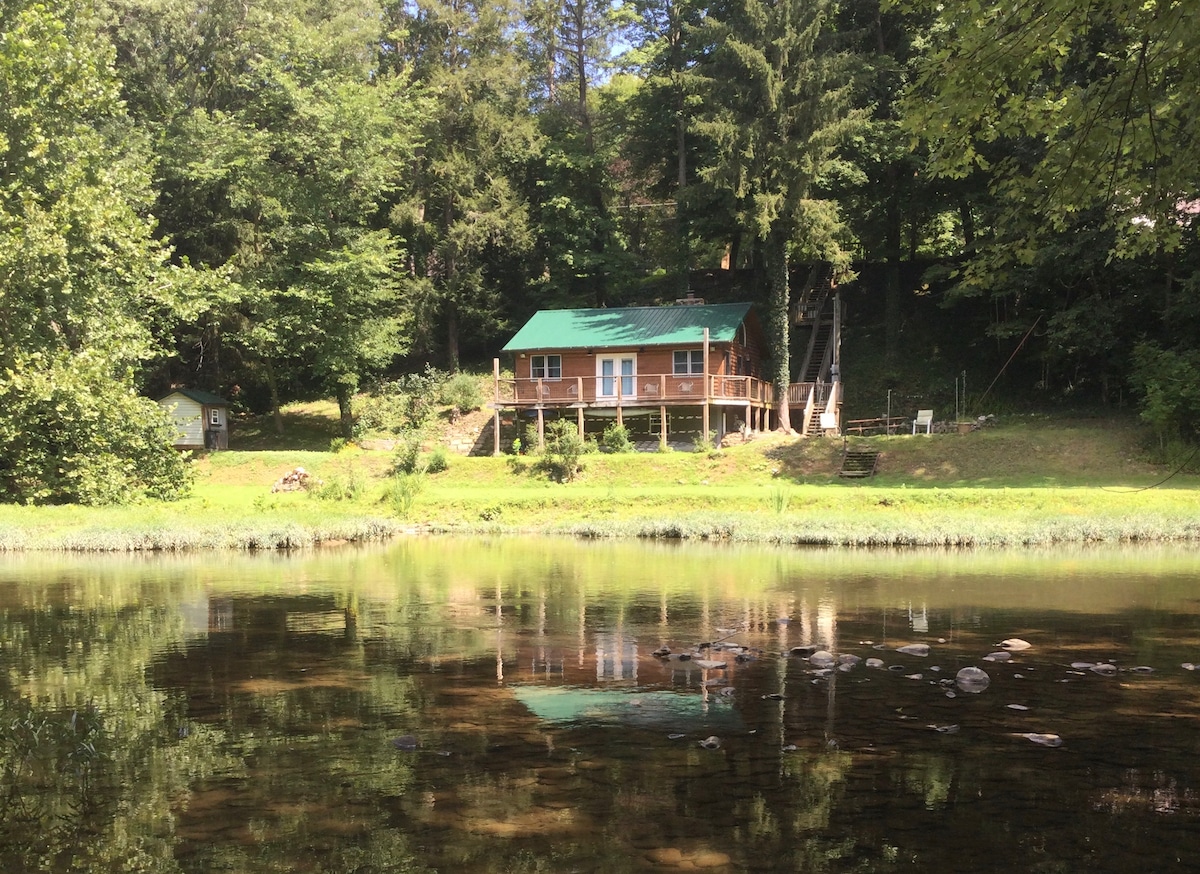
(499, 706)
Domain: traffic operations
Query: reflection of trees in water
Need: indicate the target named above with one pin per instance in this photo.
(92, 759)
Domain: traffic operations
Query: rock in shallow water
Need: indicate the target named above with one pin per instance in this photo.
(1046, 740)
(917, 649)
(1015, 644)
(972, 679)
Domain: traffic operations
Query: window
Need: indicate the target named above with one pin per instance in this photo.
(214, 416)
(545, 367)
(688, 361)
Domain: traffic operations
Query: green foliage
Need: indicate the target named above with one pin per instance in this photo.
(406, 403)
(82, 283)
(461, 393)
(616, 439)
(1066, 115)
(406, 458)
(706, 443)
(1169, 384)
(69, 433)
(780, 498)
(346, 483)
(402, 492)
(563, 450)
(437, 461)
(530, 444)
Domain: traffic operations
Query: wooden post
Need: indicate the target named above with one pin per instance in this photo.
(496, 407)
(541, 428)
(662, 426)
(620, 379)
(704, 408)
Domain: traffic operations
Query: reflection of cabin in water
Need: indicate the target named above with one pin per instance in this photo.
(661, 371)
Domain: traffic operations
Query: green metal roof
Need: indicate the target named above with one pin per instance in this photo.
(204, 398)
(629, 326)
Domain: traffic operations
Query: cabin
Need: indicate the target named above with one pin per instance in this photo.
(685, 370)
(202, 418)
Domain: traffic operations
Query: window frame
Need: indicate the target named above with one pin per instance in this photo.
(694, 365)
(547, 366)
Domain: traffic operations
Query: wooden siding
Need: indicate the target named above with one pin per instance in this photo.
(654, 380)
(189, 418)
(194, 421)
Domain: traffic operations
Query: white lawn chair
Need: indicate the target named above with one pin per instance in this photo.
(924, 418)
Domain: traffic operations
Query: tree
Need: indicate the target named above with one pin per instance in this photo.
(1069, 108)
(281, 142)
(82, 281)
(463, 214)
(777, 105)
(579, 237)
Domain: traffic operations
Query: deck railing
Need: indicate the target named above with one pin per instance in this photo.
(640, 390)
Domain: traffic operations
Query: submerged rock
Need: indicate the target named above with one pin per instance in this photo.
(917, 649)
(874, 663)
(997, 656)
(972, 679)
(1015, 644)
(407, 743)
(1104, 670)
(711, 743)
(1046, 740)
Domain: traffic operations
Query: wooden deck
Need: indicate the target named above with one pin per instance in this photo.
(641, 390)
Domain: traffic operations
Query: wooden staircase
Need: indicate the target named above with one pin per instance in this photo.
(858, 463)
(815, 309)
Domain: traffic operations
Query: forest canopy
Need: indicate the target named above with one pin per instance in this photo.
(272, 199)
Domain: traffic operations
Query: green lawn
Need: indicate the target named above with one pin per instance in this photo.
(1029, 482)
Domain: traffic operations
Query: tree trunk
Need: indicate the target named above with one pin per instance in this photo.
(778, 323)
(452, 337)
(345, 398)
(892, 242)
(273, 388)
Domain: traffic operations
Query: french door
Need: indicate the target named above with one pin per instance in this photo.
(611, 369)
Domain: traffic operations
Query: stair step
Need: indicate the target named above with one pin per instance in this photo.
(859, 463)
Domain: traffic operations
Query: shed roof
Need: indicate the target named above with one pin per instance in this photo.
(205, 398)
(629, 326)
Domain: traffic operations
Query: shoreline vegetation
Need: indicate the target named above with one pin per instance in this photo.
(1032, 483)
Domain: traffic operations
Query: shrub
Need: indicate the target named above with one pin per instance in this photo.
(529, 441)
(72, 432)
(461, 394)
(437, 460)
(402, 492)
(402, 404)
(564, 446)
(347, 484)
(407, 456)
(616, 439)
(706, 442)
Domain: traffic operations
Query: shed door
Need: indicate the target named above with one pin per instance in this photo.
(610, 369)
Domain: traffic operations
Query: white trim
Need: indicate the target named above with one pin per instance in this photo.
(628, 380)
(546, 367)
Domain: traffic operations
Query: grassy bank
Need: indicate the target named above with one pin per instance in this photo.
(1030, 482)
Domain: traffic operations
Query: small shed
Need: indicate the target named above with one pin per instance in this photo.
(202, 418)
